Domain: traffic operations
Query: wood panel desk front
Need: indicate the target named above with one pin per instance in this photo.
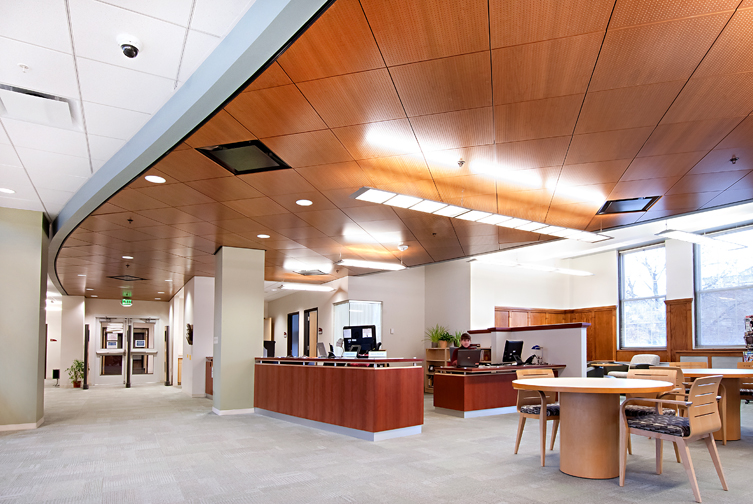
(484, 389)
(354, 394)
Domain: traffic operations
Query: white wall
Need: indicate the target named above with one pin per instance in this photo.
(278, 310)
(72, 335)
(177, 331)
(54, 320)
(448, 295)
(403, 305)
(112, 308)
(601, 289)
(199, 312)
(679, 269)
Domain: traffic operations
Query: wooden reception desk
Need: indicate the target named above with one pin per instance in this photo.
(370, 399)
(481, 391)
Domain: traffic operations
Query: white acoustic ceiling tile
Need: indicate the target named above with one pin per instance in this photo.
(10, 201)
(104, 147)
(54, 196)
(39, 22)
(97, 27)
(8, 156)
(56, 180)
(3, 137)
(46, 138)
(198, 47)
(113, 122)
(16, 179)
(123, 88)
(41, 161)
(49, 71)
(218, 16)
(174, 11)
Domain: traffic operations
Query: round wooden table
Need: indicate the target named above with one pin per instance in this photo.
(589, 420)
(731, 381)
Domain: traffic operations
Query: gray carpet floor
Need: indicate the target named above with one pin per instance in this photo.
(155, 444)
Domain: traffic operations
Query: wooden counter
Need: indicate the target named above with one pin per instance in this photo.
(370, 399)
(481, 391)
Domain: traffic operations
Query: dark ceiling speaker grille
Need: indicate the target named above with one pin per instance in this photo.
(245, 157)
(628, 205)
(315, 272)
(127, 278)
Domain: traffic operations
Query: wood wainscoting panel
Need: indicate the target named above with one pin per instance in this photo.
(679, 326)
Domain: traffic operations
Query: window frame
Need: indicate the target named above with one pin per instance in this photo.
(621, 297)
(698, 281)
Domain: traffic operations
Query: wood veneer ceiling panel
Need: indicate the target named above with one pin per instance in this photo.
(687, 136)
(638, 12)
(309, 149)
(131, 199)
(533, 153)
(531, 205)
(188, 165)
(107, 208)
(427, 29)
(741, 136)
(419, 188)
(713, 97)
(277, 182)
(600, 222)
(745, 183)
(175, 194)
(550, 117)
(168, 216)
(273, 76)
(225, 189)
(624, 108)
(706, 182)
(288, 201)
(483, 202)
(590, 196)
(141, 181)
(652, 53)
(211, 212)
(451, 130)
(465, 230)
(389, 170)
(136, 221)
(366, 214)
(573, 215)
(256, 207)
(275, 111)
(459, 187)
(219, 130)
(669, 165)
(607, 146)
(340, 100)
(445, 163)
(526, 21)
(718, 160)
(445, 85)
(731, 53)
(339, 42)
(643, 188)
(589, 173)
(684, 202)
(378, 139)
(546, 69)
(330, 222)
(730, 196)
(335, 176)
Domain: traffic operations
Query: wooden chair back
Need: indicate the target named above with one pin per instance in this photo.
(704, 410)
(746, 383)
(689, 365)
(526, 397)
(662, 373)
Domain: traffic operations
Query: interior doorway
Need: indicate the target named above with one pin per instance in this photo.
(310, 331)
(293, 334)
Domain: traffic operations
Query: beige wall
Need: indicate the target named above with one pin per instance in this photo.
(448, 295)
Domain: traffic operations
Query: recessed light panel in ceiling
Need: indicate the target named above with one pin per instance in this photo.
(244, 157)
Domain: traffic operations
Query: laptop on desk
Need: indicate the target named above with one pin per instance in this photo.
(469, 357)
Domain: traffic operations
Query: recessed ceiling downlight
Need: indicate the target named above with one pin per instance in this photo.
(127, 257)
(304, 202)
(7, 191)
(154, 179)
(262, 236)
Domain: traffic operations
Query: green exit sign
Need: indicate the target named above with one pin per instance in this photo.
(126, 302)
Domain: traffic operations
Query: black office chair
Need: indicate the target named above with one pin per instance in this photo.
(56, 376)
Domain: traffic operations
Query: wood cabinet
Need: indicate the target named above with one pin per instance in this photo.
(435, 358)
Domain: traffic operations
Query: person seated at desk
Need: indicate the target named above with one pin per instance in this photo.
(465, 342)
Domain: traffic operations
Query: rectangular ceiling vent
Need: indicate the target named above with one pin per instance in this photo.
(244, 157)
(127, 278)
(30, 106)
(313, 272)
(628, 205)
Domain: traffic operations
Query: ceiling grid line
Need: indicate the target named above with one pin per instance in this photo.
(26, 172)
(185, 41)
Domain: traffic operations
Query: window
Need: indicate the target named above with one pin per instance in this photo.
(724, 289)
(643, 287)
(358, 313)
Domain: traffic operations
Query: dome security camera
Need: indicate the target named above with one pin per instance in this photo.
(130, 46)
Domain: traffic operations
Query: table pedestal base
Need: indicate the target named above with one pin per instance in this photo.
(732, 412)
(589, 435)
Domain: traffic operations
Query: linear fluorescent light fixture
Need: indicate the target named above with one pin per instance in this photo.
(357, 263)
(699, 239)
(532, 266)
(305, 287)
(438, 208)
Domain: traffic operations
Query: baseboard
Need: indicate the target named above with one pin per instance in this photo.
(232, 411)
(22, 426)
(347, 431)
(476, 413)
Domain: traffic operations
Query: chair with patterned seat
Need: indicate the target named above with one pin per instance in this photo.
(639, 361)
(701, 423)
(746, 388)
(539, 405)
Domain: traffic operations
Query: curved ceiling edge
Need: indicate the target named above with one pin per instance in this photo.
(267, 26)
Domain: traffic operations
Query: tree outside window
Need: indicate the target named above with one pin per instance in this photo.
(724, 288)
(643, 278)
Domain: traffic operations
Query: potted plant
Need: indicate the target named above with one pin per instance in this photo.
(76, 373)
(445, 339)
(434, 334)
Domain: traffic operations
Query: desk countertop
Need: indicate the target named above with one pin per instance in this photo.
(493, 369)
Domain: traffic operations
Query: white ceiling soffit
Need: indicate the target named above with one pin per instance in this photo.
(265, 28)
(68, 53)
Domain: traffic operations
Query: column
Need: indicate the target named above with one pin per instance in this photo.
(71, 336)
(23, 281)
(238, 327)
(199, 313)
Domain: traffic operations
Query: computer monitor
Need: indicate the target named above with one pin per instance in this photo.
(513, 348)
(364, 336)
(321, 350)
(469, 357)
